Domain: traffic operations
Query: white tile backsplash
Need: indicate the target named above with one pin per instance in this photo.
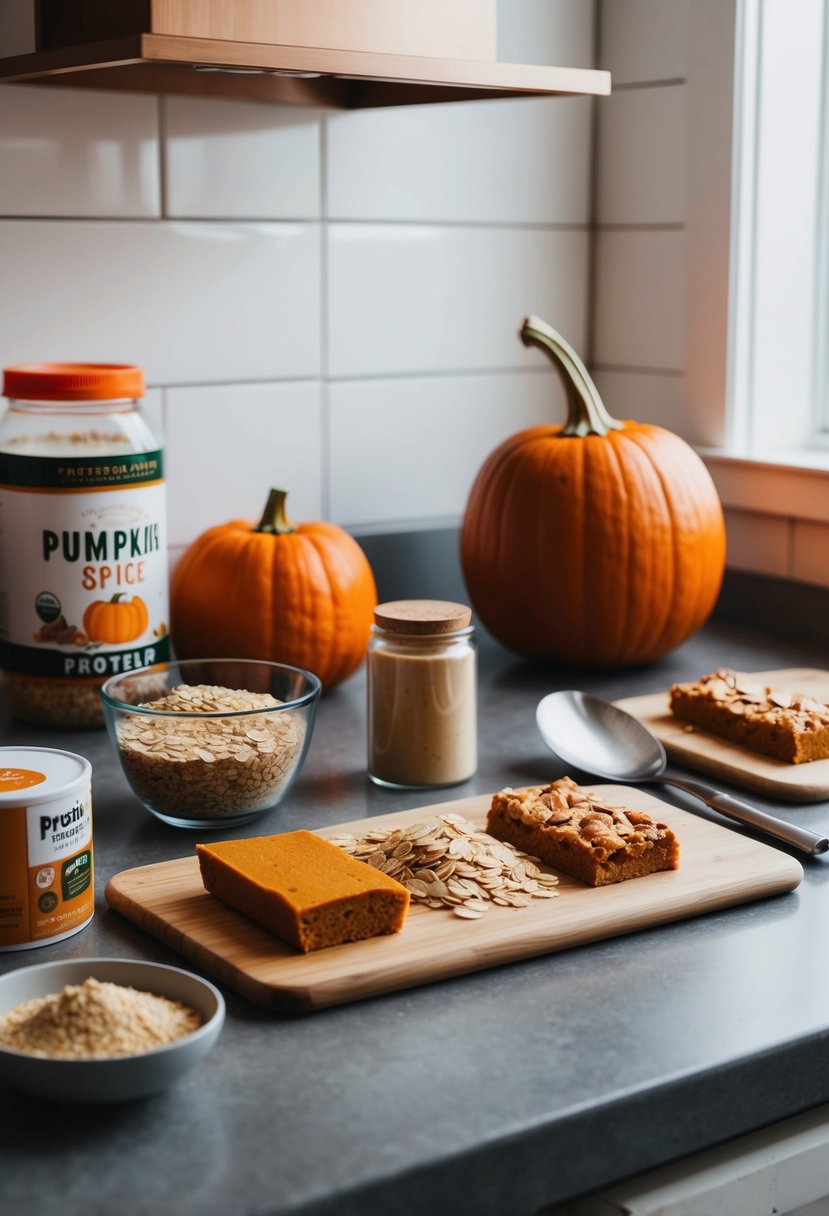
(659, 399)
(189, 302)
(407, 448)
(560, 32)
(78, 153)
(252, 437)
(642, 162)
(417, 298)
(528, 162)
(332, 300)
(640, 306)
(241, 159)
(152, 407)
(302, 287)
(644, 40)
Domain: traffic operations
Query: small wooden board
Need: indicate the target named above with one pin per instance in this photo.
(718, 868)
(729, 761)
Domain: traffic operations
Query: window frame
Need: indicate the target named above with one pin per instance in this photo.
(759, 430)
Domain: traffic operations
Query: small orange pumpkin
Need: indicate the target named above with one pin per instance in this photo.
(116, 620)
(596, 543)
(301, 594)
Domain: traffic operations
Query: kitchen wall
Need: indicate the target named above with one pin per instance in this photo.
(660, 290)
(330, 301)
(324, 301)
(641, 190)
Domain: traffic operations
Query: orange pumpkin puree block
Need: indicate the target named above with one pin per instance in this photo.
(304, 889)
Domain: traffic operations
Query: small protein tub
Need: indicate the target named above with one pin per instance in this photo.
(47, 891)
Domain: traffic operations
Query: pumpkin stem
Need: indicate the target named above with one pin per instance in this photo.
(274, 519)
(586, 411)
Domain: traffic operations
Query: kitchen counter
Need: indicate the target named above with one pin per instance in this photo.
(499, 1092)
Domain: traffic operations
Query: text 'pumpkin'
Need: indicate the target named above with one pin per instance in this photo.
(596, 543)
(302, 594)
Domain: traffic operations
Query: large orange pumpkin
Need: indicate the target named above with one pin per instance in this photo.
(116, 620)
(302, 594)
(596, 543)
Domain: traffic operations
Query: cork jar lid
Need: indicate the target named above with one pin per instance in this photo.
(422, 616)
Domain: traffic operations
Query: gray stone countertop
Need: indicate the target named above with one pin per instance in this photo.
(496, 1093)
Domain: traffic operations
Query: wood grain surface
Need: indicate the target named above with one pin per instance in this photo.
(718, 868)
(730, 762)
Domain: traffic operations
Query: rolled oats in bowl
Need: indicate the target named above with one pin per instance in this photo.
(213, 742)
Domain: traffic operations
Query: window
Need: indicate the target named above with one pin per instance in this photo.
(765, 411)
(778, 369)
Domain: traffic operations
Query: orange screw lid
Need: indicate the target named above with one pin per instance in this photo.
(73, 381)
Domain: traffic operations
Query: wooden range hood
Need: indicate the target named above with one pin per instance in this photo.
(342, 53)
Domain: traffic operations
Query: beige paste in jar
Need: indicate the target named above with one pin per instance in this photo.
(422, 690)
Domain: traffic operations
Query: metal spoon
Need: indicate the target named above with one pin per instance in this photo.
(599, 738)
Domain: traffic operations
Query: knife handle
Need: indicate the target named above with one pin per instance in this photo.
(744, 812)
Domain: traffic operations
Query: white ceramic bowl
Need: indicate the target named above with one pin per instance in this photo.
(118, 1078)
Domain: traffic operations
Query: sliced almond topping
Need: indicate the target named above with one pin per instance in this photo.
(489, 872)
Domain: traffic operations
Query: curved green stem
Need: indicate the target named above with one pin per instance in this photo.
(586, 411)
(274, 519)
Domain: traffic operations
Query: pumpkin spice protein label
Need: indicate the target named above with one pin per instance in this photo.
(83, 565)
(46, 867)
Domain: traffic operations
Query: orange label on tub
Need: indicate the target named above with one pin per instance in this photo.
(19, 779)
(14, 885)
(46, 871)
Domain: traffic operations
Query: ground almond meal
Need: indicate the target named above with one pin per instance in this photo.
(95, 1020)
(210, 767)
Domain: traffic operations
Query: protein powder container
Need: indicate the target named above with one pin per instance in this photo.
(46, 872)
(83, 547)
(422, 699)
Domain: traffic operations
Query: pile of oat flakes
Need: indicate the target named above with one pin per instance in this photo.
(206, 766)
(449, 863)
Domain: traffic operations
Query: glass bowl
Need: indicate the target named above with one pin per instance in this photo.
(211, 743)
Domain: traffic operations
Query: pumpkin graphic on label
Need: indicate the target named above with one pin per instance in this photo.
(116, 620)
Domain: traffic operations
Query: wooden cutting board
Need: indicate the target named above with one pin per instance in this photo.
(718, 868)
(729, 761)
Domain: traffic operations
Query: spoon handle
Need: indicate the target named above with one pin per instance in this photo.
(734, 808)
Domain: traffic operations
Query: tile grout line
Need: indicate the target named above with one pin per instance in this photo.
(274, 221)
(593, 206)
(628, 86)
(325, 337)
(633, 369)
(162, 157)
(652, 226)
(451, 373)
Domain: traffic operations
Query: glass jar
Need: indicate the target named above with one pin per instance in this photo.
(422, 701)
(83, 546)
